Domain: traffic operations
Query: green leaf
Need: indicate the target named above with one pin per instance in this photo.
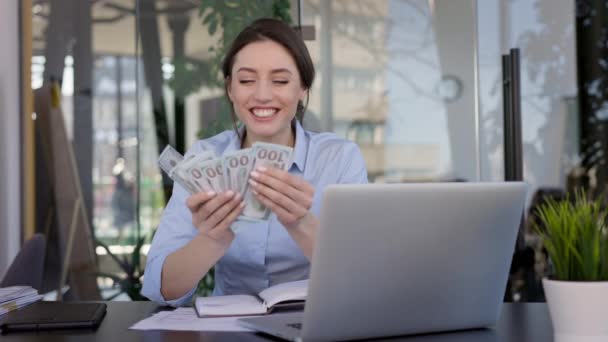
(212, 27)
(207, 18)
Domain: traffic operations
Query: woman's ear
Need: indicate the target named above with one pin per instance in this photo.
(303, 94)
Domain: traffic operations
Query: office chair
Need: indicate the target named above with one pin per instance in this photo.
(28, 266)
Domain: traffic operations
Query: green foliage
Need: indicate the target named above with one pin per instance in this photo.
(188, 76)
(232, 16)
(205, 286)
(576, 238)
(222, 123)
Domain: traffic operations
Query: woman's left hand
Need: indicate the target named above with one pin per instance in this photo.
(288, 196)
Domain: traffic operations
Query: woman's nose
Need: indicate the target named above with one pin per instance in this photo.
(263, 92)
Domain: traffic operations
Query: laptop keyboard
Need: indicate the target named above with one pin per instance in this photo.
(295, 325)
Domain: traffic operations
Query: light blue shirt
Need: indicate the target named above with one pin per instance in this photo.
(262, 254)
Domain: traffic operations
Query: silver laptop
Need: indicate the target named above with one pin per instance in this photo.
(399, 259)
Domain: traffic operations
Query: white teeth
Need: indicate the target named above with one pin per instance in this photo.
(263, 113)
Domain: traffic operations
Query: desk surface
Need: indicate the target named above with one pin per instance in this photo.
(519, 322)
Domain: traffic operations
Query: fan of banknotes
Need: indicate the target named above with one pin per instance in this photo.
(207, 172)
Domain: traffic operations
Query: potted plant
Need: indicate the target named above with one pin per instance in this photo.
(575, 235)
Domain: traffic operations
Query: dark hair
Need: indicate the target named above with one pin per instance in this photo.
(281, 33)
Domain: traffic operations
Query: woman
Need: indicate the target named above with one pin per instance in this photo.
(268, 75)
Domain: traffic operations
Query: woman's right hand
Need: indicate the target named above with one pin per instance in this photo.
(213, 213)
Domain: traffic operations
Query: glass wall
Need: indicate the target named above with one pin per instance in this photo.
(398, 78)
(415, 83)
(544, 32)
(89, 50)
(134, 76)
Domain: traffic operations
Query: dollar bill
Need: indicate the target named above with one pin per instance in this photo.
(267, 155)
(182, 179)
(205, 155)
(191, 170)
(213, 173)
(182, 171)
(169, 159)
(237, 166)
(205, 172)
(176, 166)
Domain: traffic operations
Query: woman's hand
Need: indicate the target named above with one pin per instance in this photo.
(213, 214)
(288, 196)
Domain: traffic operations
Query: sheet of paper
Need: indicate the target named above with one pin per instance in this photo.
(186, 319)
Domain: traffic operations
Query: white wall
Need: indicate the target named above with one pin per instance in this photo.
(10, 191)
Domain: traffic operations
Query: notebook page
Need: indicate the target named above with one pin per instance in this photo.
(294, 290)
(233, 305)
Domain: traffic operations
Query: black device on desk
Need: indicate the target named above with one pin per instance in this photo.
(54, 315)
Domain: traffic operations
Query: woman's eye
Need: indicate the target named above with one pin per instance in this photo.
(280, 82)
(245, 81)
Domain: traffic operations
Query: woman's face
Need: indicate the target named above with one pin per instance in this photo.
(265, 88)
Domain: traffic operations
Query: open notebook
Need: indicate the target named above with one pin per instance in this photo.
(286, 295)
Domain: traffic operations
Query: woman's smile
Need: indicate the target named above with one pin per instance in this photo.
(264, 113)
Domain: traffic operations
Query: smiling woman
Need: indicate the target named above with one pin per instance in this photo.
(268, 74)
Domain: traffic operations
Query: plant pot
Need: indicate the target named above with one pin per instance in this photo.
(579, 310)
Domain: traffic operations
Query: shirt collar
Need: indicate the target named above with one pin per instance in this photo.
(300, 149)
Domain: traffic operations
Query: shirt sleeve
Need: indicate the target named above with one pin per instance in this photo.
(174, 231)
(354, 170)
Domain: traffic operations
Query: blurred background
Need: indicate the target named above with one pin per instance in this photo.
(416, 84)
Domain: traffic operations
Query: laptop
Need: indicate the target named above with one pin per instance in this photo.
(400, 259)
